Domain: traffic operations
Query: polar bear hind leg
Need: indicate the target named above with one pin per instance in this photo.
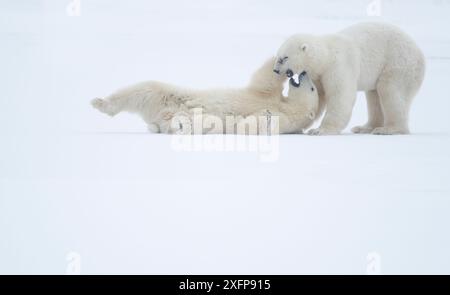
(376, 118)
(113, 104)
(397, 86)
(104, 106)
(395, 104)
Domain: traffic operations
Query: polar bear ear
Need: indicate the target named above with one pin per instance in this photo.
(304, 47)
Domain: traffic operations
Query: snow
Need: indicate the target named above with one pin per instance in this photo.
(129, 202)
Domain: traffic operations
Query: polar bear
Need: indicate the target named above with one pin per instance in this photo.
(376, 58)
(172, 109)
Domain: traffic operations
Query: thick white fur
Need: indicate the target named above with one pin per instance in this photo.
(376, 58)
(159, 103)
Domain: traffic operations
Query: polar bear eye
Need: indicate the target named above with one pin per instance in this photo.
(282, 60)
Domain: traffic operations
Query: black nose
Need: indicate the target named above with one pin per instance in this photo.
(276, 71)
(294, 83)
(289, 73)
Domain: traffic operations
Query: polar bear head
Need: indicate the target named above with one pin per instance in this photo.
(303, 94)
(300, 53)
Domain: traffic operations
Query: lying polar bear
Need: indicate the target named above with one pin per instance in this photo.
(171, 109)
(376, 58)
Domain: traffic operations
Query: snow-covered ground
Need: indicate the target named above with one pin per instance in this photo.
(80, 191)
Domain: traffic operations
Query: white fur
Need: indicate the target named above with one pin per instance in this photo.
(376, 58)
(160, 104)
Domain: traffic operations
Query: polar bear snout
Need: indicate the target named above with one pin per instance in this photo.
(294, 83)
(296, 80)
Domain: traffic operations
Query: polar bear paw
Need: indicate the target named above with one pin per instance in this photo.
(103, 106)
(365, 129)
(390, 131)
(153, 128)
(323, 131)
(181, 124)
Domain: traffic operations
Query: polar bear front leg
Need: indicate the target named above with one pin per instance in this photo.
(340, 95)
(375, 113)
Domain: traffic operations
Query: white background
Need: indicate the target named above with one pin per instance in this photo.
(76, 183)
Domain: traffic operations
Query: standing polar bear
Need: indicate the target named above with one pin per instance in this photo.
(259, 108)
(376, 58)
